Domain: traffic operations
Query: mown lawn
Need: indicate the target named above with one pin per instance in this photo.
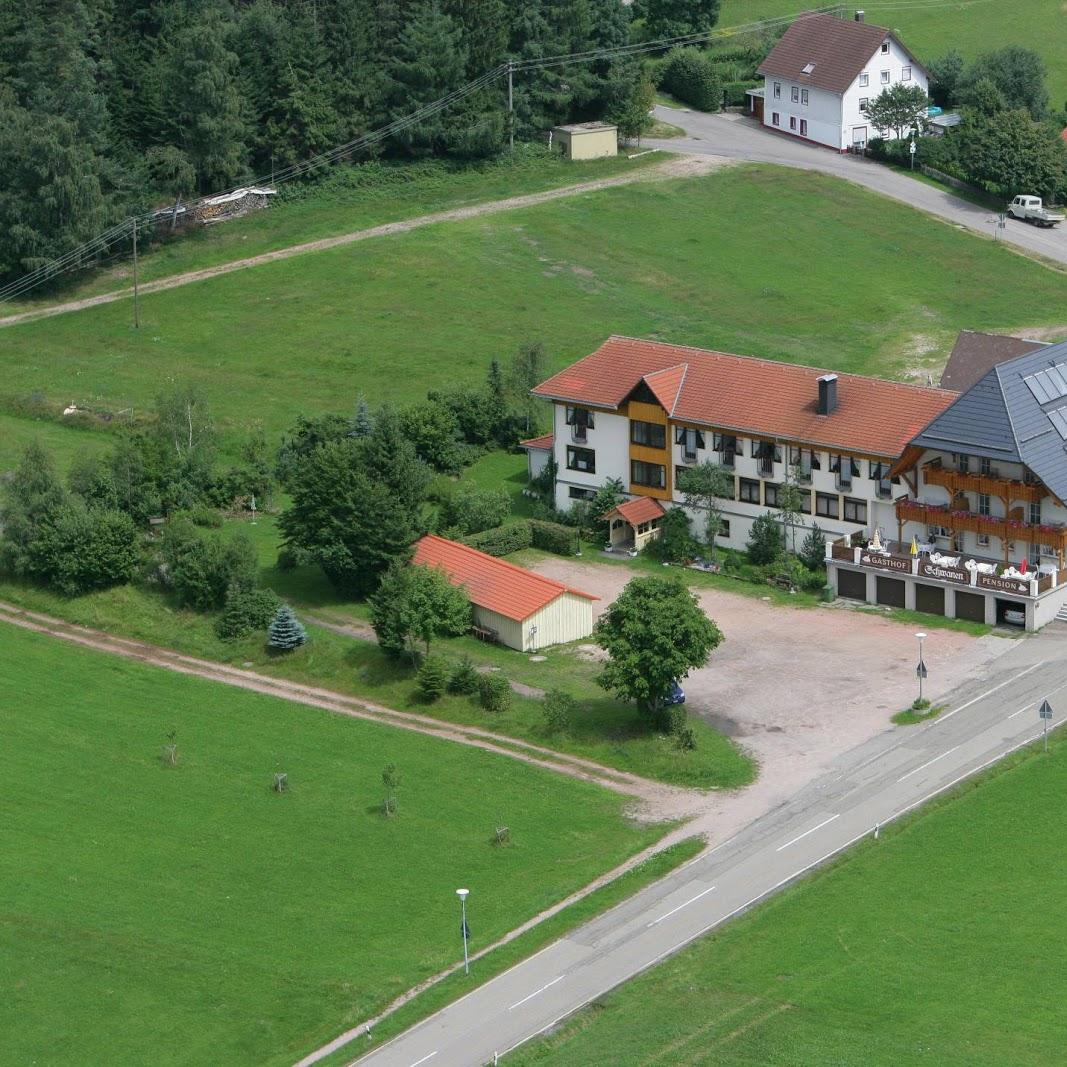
(933, 27)
(940, 944)
(189, 914)
(754, 260)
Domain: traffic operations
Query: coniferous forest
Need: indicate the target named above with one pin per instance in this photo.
(111, 107)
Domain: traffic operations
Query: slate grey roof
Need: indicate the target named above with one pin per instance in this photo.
(1002, 418)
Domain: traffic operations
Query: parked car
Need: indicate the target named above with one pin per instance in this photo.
(676, 694)
(1030, 209)
(1015, 617)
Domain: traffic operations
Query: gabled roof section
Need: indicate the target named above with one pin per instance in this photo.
(754, 397)
(975, 354)
(836, 50)
(491, 583)
(666, 385)
(543, 443)
(635, 512)
(1011, 414)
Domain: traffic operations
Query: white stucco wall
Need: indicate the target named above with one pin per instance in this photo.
(609, 439)
(851, 116)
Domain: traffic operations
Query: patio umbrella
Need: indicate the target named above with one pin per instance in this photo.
(914, 545)
(1022, 566)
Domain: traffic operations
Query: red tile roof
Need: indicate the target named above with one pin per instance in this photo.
(837, 49)
(544, 442)
(643, 509)
(755, 397)
(667, 384)
(491, 583)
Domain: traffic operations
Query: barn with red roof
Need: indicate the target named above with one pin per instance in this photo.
(519, 608)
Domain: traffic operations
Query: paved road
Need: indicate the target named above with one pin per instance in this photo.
(871, 786)
(738, 138)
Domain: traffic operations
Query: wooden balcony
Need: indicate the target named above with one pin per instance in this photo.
(1005, 489)
(1006, 529)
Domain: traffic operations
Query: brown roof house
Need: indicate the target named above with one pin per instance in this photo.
(975, 354)
(821, 76)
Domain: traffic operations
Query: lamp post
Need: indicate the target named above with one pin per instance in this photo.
(462, 894)
(920, 670)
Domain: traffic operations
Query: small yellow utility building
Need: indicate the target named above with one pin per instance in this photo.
(587, 140)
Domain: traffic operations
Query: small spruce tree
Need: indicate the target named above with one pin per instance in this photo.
(432, 678)
(285, 632)
(813, 549)
(765, 543)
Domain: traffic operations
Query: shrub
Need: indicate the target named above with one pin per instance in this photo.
(503, 540)
(558, 710)
(495, 692)
(432, 679)
(464, 678)
(735, 93)
(472, 510)
(675, 543)
(552, 537)
(689, 75)
(201, 569)
(765, 540)
(285, 631)
(246, 610)
(813, 549)
(78, 549)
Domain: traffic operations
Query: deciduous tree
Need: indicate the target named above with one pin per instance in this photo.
(704, 488)
(415, 604)
(900, 108)
(654, 634)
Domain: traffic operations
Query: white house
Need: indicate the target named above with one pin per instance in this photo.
(820, 77)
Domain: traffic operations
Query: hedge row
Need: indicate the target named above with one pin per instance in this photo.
(530, 533)
(735, 94)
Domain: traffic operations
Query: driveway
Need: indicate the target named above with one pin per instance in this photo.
(799, 687)
(734, 137)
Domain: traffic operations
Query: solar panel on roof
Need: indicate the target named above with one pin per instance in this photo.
(1049, 384)
(1058, 418)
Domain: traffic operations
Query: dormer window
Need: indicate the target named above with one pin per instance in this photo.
(885, 48)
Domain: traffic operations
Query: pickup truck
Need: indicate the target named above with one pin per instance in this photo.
(1030, 209)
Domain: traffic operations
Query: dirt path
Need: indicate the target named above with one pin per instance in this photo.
(656, 801)
(686, 166)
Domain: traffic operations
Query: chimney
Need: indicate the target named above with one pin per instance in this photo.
(859, 15)
(827, 394)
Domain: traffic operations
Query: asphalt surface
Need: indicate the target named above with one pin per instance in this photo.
(736, 137)
(868, 788)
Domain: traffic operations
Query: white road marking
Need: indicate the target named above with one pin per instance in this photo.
(533, 994)
(923, 766)
(806, 832)
(981, 696)
(1020, 711)
(425, 1058)
(680, 906)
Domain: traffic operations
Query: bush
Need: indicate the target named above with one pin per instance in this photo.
(552, 537)
(79, 549)
(675, 543)
(471, 510)
(464, 678)
(558, 710)
(246, 610)
(813, 550)
(495, 692)
(285, 631)
(689, 75)
(503, 540)
(735, 93)
(201, 569)
(765, 540)
(432, 679)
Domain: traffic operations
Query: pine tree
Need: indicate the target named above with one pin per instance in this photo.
(362, 420)
(285, 632)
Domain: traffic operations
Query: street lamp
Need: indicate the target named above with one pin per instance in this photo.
(462, 894)
(920, 670)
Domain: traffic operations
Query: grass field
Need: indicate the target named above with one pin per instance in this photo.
(940, 944)
(686, 260)
(932, 27)
(190, 915)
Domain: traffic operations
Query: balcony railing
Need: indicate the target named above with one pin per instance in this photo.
(1006, 529)
(1005, 488)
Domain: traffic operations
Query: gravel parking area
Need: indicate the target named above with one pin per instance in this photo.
(798, 687)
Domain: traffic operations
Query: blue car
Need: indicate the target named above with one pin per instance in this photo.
(676, 695)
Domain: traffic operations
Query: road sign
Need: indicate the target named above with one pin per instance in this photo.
(1046, 710)
(920, 671)
(465, 930)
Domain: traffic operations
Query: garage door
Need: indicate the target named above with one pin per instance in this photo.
(891, 592)
(851, 584)
(929, 598)
(970, 606)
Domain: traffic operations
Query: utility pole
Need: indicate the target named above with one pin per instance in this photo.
(511, 108)
(136, 301)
